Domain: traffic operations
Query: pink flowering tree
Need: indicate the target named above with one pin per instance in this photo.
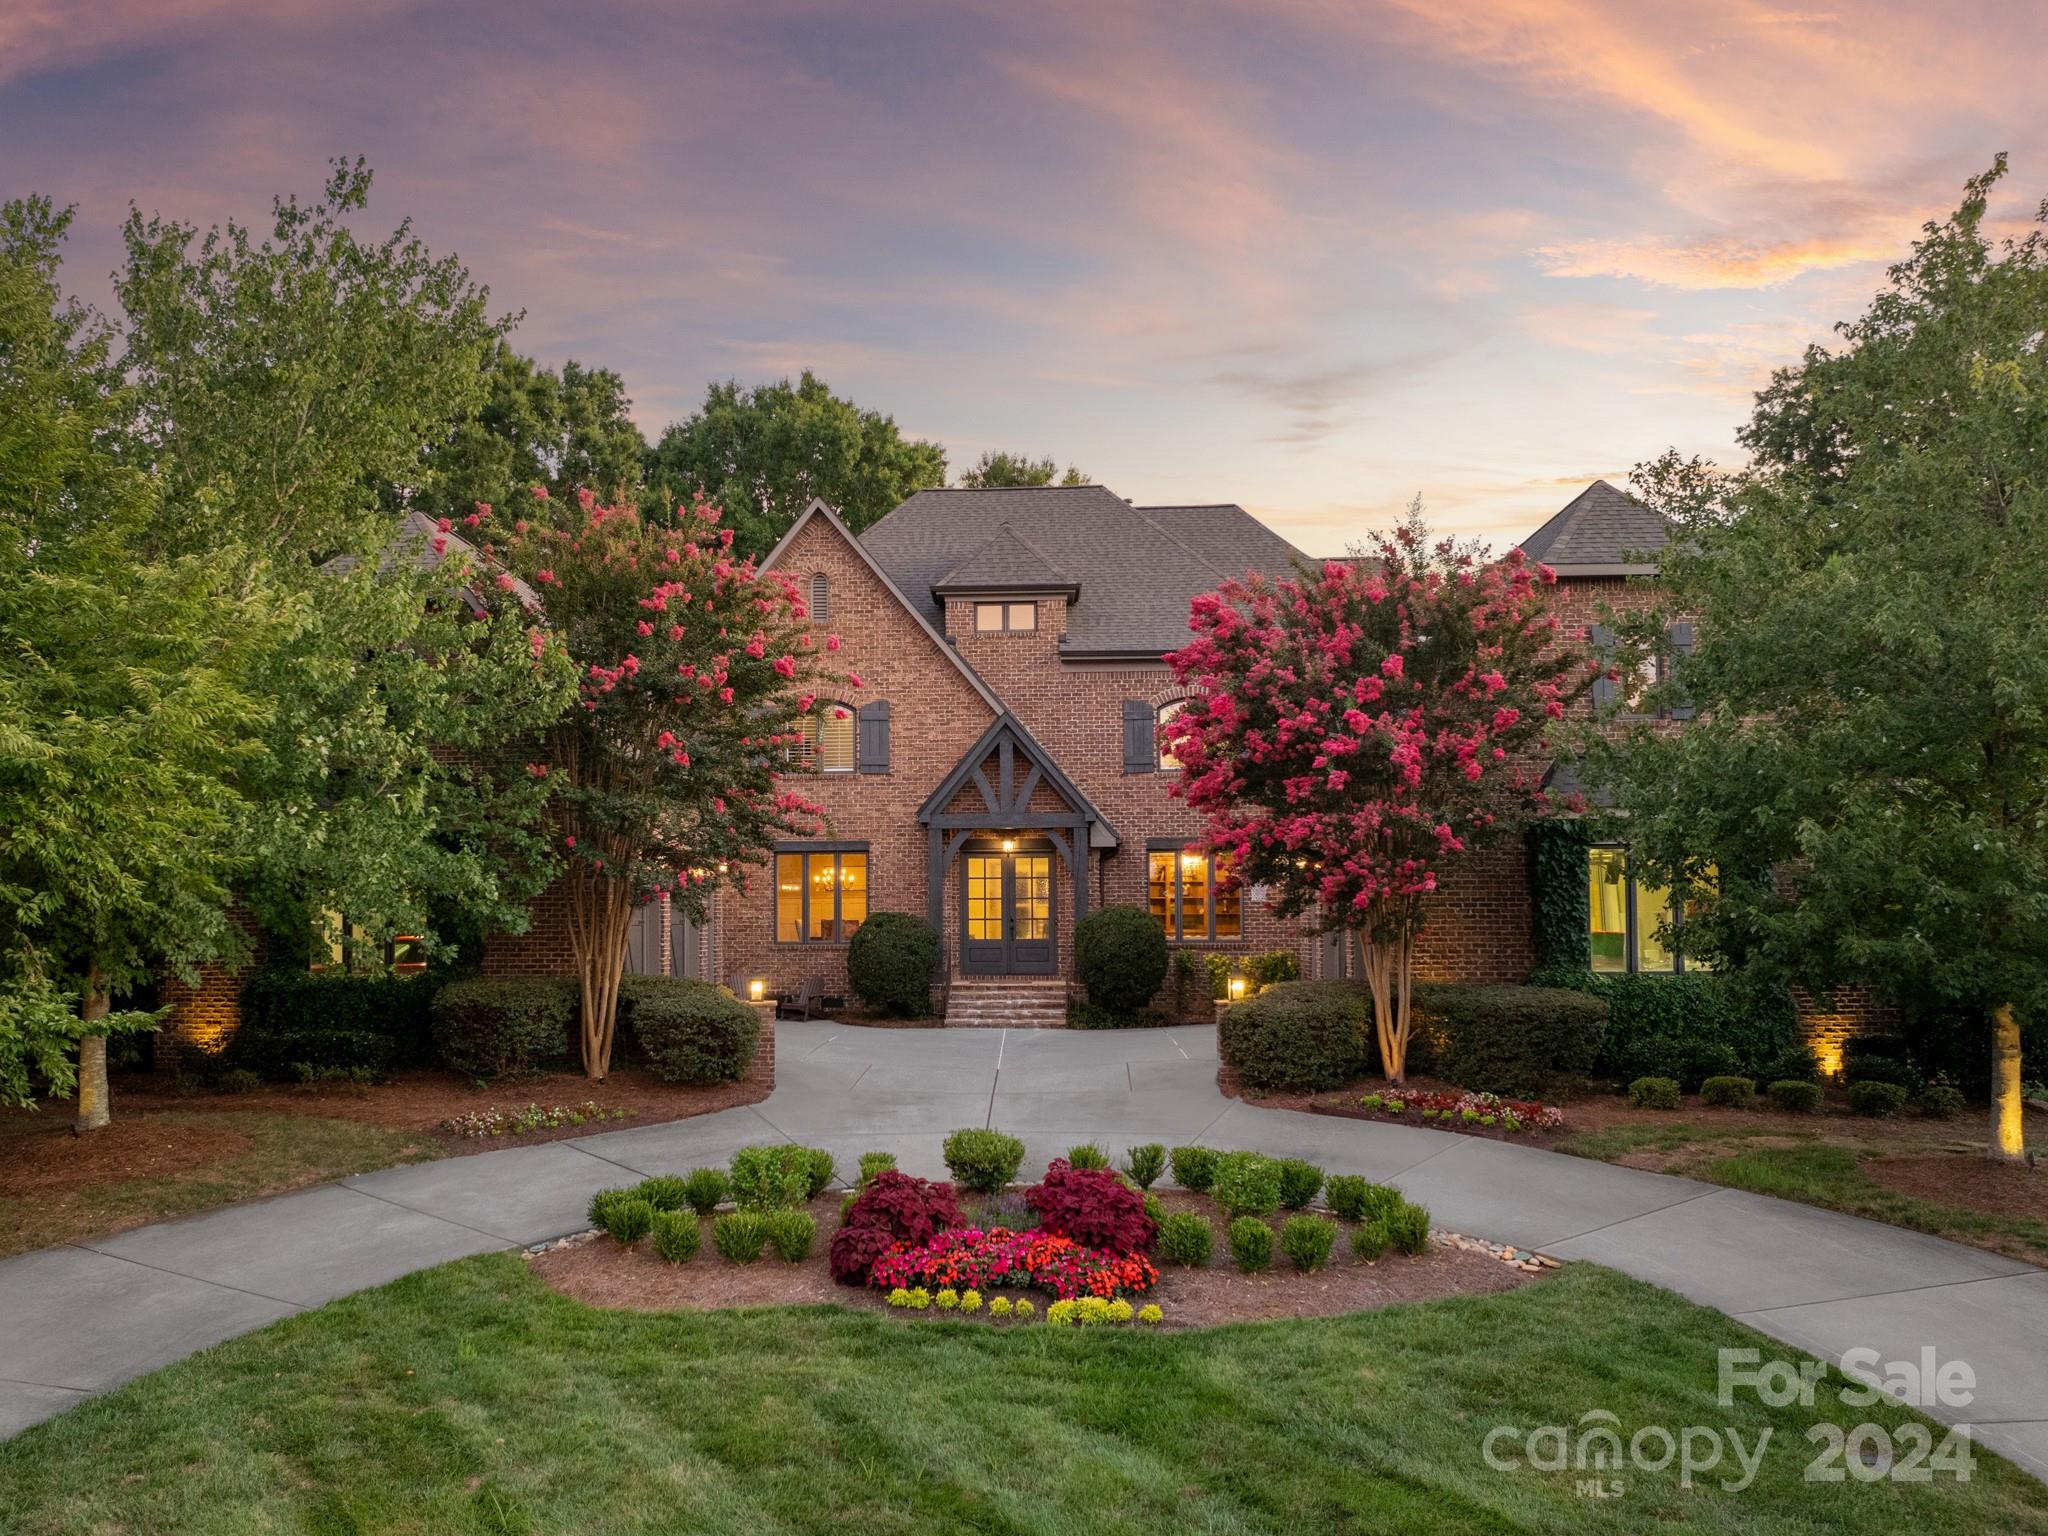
(1357, 729)
(693, 667)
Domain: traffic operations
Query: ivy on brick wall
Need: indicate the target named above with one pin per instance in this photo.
(1558, 913)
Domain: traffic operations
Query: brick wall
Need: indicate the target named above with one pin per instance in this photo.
(205, 1015)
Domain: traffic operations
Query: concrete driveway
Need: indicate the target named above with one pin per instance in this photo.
(83, 1318)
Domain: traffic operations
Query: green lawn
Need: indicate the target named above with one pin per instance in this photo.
(1816, 1173)
(471, 1399)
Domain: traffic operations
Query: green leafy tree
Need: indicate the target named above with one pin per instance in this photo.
(292, 393)
(285, 384)
(536, 426)
(693, 668)
(125, 719)
(1863, 797)
(763, 454)
(995, 468)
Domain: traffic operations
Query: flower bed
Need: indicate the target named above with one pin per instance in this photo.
(971, 1258)
(1488, 1110)
(534, 1117)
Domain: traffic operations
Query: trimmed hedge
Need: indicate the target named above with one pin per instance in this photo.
(1509, 1040)
(1688, 1028)
(890, 961)
(1653, 1093)
(1879, 1101)
(492, 1028)
(1120, 956)
(691, 1031)
(323, 1020)
(1299, 1036)
(1795, 1096)
(1729, 1092)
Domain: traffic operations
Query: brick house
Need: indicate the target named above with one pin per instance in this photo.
(997, 772)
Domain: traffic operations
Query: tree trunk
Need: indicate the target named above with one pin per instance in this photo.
(93, 1109)
(600, 922)
(1390, 972)
(2008, 1110)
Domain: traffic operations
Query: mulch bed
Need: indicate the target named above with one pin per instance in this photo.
(600, 1272)
(46, 1159)
(1966, 1178)
(41, 1154)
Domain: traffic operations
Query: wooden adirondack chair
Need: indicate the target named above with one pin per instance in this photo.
(807, 1002)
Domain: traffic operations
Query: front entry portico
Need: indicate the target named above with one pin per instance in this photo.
(1012, 822)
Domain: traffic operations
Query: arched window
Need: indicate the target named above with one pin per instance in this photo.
(824, 739)
(1166, 713)
(821, 597)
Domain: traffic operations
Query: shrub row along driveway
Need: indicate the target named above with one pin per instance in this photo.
(80, 1319)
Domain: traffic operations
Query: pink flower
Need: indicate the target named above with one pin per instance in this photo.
(504, 582)
(583, 497)
(444, 525)
(571, 841)
(538, 770)
(757, 647)
(725, 695)
(665, 739)
(853, 680)
(831, 642)
(1393, 665)
(540, 493)
(483, 509)
(544, 576)
(785, 666)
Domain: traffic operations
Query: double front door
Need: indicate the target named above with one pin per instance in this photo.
(1006, 912)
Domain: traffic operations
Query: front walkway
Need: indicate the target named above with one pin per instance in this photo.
(81, 1319)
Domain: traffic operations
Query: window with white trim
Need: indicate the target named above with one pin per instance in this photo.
(823, 740)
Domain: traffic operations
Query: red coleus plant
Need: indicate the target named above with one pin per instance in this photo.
(1093, 1207)
(693, 668)
(895, 1209)
(1355, 731)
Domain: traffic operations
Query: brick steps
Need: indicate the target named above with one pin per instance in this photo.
(1006, 1002)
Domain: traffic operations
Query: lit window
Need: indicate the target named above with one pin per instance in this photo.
(821, 896)
(1191, 894)
(821, 598)
(1005, 618)
(1630, 923)
(1166, 714)
(822, 741)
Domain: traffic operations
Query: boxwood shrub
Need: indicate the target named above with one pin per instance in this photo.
(1653, 1093)
(1307, 1241)
(983, 1160)
(1509, 1040)
(1299, 1036)
(1729, 1092)
(330, 1020)
(676, 1236)
(691, 1031)
(1247, 1184)
(1194, 1168)
(771, 1178)
(1300, 1182)
(1251, 1244)
(493, 1028)
(1795, 1095)
(1120, 956)
(890, 961)
(1689, 1027)
(1186, 1238)
(1880, 1101)
(739, 1236)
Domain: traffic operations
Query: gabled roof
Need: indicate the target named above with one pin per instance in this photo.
(1006, 563)
(1134, 569)
(922, 614)
(1008, 727)
(1600, 532)
(414, 545)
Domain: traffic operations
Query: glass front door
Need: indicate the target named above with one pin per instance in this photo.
(1006, 914)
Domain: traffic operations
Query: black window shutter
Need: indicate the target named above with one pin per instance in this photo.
(1140, 750)
(874, 737)
(1681, 647)
(1605, 689)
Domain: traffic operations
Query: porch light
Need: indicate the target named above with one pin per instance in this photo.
(1237, 986)
(757, 989)
(1009, 845)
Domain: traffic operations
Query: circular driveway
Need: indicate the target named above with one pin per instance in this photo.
(79, 1319)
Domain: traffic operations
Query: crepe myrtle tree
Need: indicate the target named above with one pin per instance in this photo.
(693, 667)
(1358, 728)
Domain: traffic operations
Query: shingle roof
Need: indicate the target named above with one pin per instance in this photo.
(414, 545)
(1600, 531)
(1006, 563)
(1136, 568)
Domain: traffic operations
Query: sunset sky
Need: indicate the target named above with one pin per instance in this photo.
(1313, 257)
